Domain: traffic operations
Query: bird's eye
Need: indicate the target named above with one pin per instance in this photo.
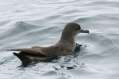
(78, 28)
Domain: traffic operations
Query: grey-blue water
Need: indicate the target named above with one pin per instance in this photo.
(25, 23)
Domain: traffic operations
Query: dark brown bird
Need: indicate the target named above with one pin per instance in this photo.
(65, 46)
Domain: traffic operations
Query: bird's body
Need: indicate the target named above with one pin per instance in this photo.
(65, 46)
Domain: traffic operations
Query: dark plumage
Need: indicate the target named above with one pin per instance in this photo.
(65, 46)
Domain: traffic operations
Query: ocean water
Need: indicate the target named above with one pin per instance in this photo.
(26, 23)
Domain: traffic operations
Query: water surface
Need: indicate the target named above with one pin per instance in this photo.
(25, 23)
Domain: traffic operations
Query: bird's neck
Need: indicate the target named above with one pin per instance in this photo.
(67, 37)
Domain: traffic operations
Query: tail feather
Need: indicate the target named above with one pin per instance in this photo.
(19, 49)
(24, 59)
(22, 49)
(29, 51)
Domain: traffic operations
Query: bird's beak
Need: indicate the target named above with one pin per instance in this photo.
(84, 31)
